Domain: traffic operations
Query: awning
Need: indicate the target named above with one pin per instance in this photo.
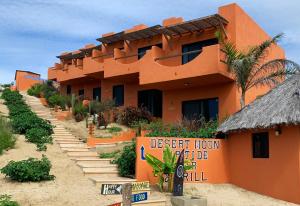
(194, 25)
(112, 38)
(143, 33)
(71, 56)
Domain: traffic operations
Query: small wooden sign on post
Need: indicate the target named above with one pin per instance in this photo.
(140, 186)
(139, 197)
(111, 189)
(126, 192)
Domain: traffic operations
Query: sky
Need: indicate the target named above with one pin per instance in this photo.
(34, 32)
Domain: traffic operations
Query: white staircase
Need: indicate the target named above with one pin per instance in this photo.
(99, 171)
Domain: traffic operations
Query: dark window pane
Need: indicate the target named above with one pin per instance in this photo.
(152, 100)
(118, 95)
(97, 93)
(81, 94)
(142, 50)
(194, 47)
(196, 109)
(69, 89)
(260, 145)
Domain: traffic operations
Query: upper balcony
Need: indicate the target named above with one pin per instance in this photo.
(93, 61)
(52, 72)
(205, 68)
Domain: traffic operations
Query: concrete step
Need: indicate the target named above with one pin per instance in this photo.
(97, 164)
(64, 137)
(107, 172)
(68, 142)
(67, 139)
(98, 181)
(68, 149)
(83, 154)
(152, 202)
(80, 160)
(74, 146)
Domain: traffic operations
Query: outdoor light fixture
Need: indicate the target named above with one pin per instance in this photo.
(277, 131)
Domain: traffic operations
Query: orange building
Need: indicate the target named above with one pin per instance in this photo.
(26, 79)
(174, 69)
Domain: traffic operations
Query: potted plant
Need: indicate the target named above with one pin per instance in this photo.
(165, 169)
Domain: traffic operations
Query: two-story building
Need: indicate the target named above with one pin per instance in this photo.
(174, 69)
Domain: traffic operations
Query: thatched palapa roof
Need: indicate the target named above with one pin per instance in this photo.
(280, 106)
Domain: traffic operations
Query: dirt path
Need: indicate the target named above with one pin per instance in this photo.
(69, 188)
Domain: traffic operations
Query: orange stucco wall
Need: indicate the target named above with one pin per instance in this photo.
(121, 137)
(209, 156)
(231, 162)
(25, 80)
(279, 175)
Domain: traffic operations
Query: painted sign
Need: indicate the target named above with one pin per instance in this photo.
(207, 155)
(140, 186)
(111, 189)
(179, 176)
(139, 197)
(116, 204)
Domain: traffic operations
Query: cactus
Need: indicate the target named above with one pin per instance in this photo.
(73, 99)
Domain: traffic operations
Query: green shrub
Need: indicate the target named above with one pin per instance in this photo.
(5, 200)
(187, 128)
(7, 139)
(126, 161)
(129, 115)
(109, 154)
(57, 100)
(38, 136)
(114, 129)
(28, 170)
(36, 90)
(25, 121)
(80, 111)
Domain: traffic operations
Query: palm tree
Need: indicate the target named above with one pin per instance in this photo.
(248, 69)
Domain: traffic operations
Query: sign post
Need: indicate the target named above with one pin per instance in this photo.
(179, 175)
(126, 194)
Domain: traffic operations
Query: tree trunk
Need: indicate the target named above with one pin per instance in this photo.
(242, 100)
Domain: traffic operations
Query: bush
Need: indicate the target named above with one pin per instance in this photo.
(80, 112)
(57, 100)
(130, 115)
(109, 154)
(126, 161)
(187, 128)
(114, 129)
(36, 90)
(39, 137)
(25, 121)
(7, 139)
(5, 200)
(32, 169)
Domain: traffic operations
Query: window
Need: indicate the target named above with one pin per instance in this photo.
(196, 46)
(142, 51)
(118, 95)
(97, 93)
(152, 100)
(196, 109)
(69, 89)
(260, 145)
(81, 93)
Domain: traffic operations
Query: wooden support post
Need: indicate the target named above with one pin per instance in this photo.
(126, 193)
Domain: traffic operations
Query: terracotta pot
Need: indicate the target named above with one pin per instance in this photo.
(86, 102)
